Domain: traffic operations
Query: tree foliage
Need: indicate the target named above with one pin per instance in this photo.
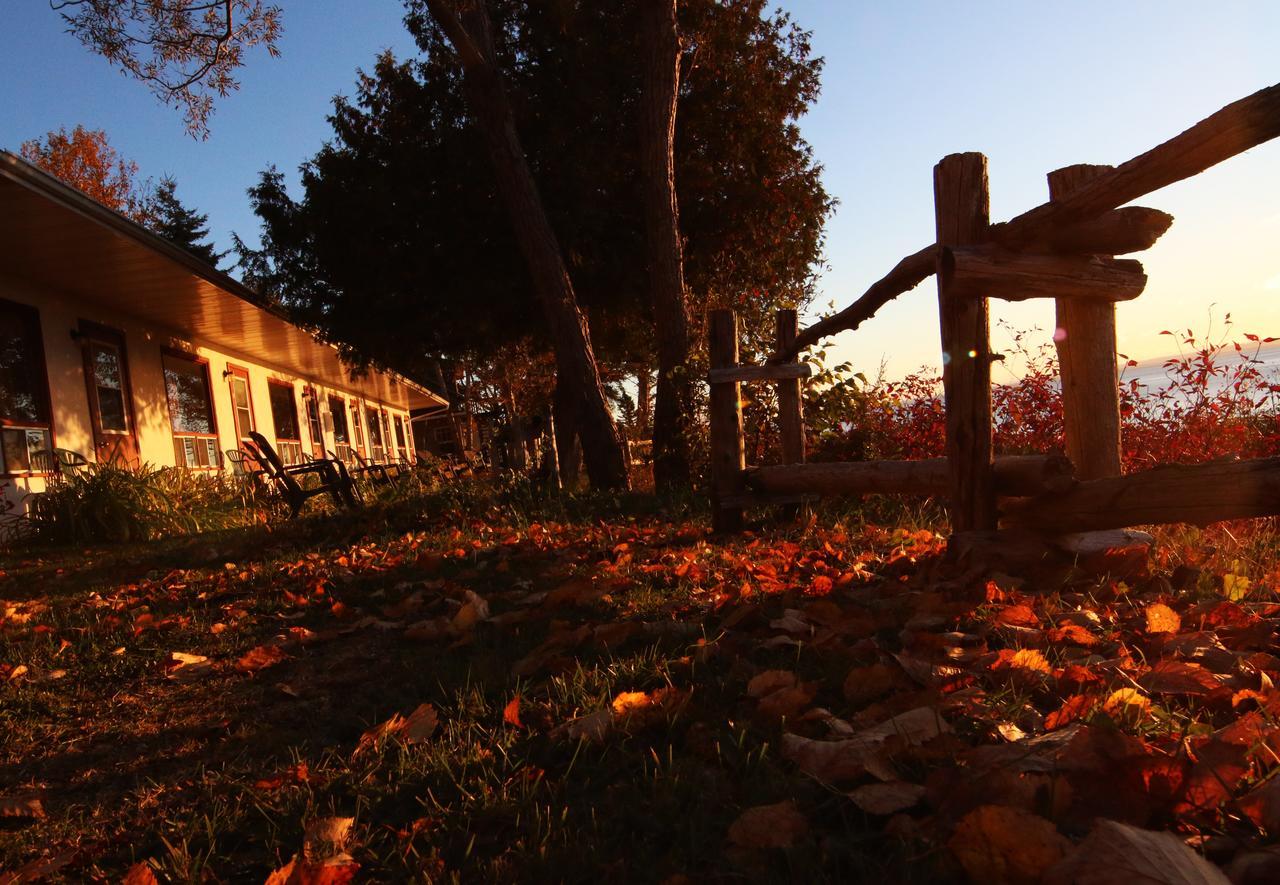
(179, 224)
(187, 51)
(399, 225)
(85, 159)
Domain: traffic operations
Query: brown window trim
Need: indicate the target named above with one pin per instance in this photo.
(48, 396)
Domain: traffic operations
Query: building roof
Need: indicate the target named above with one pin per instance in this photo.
(56, 238)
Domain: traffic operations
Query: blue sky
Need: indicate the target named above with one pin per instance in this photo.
(1035, 86)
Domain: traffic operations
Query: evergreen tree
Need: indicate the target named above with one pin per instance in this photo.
(180, 225)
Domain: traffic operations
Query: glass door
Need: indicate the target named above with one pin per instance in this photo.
(106, 370)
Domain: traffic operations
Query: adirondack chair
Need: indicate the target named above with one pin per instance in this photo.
(332, 476)
(379, 474)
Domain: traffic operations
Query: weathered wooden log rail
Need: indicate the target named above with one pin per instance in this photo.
(1063, 249)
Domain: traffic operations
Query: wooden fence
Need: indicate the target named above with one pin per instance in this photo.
(1063, 249)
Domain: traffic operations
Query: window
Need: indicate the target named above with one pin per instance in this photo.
(311, 400)
(195, 436)
(24, 392)
(284, 413)
(241, 402)
(357, 438)
(108, 382)
(400, 438)
(376, 452)
(341, 437)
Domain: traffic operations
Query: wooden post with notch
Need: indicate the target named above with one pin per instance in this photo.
(962, 213)
(728, 450)
(1086, 340)
(790, 400)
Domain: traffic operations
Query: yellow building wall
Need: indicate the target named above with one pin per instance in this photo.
(69, 399)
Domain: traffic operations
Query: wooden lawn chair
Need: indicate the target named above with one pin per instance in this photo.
(333, 479)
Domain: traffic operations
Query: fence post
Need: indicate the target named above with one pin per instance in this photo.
(728, 452)
(790, 401)
(962, 213)
(1086, 340)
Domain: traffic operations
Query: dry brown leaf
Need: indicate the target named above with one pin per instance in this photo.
(1118, 854)
(35, 870)
(1162, 619)
(769, 681)
(769, 826)
(592, 727)
(473, 611)
(786, 702)
(887, 798)
(995, 843)
(1178, 677)
(184, 667)
(420, 725)
(834, 761)
(430, 630)
(1073, 708)
(864, 684)
(576, 591)
(260, 658)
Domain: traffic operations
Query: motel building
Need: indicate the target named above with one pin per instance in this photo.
(117, 344)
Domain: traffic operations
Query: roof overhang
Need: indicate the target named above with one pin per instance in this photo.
(54, 237)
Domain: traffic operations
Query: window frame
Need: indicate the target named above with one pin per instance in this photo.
(288, 447)
(233, 372)
(42, 367)
(177, 435)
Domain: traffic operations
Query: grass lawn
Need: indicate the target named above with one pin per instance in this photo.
(478, 686)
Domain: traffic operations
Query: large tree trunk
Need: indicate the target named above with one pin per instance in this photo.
(673, 408)
(564, 407)
(466, 24)
(644, 409)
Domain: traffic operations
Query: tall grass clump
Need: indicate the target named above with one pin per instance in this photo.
(116, 503)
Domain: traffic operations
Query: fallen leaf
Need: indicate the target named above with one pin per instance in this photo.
(629, 701)
(1031, 660)
(1126, 704)
(786, 703)
(511, 712)
(1162, 619)
(260, 658)
(339, 870)
(769, 826)
(887, 798)
(1118, 854)
(183, 666)
(996, 843)
(864, 684)
(37, 869)
(139, 874)
(473, 611)
(1178, 678)
(1073, 708)
(1235, 587)
(591, 727)
(420, 725)
(769, 681)
(835, 761)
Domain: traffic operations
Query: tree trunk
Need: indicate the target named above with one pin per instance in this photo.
(518, 456)
(660, 47)
(565, 409)
(644, 409)
(466, 24)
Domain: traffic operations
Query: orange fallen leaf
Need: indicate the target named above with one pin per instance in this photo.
(21, 806)
(340, 870)
(260, 658)
(1178, 678)
(1031, 660)
(511, 712)
(769, 826)
(1126, 704)
(786, 702)
(1073, 708)
(1162, 619)
(996, 843)
(139, 874)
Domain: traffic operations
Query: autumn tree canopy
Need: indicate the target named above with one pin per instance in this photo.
(85, 159)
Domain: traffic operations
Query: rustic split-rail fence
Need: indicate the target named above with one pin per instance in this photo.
(1065, 250)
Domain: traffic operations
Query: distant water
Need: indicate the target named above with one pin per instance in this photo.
(1153, 374)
